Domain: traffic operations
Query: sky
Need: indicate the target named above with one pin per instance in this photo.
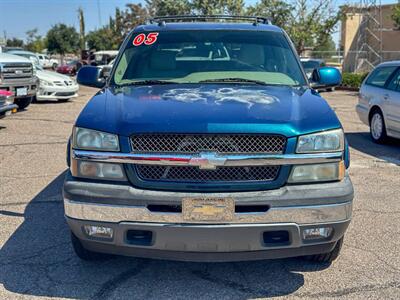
(19, 16)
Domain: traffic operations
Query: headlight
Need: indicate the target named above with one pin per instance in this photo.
(327, 141)
(89, 139)
(318, 172)
(45, 83)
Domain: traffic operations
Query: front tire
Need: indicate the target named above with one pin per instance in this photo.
(327, 257)
(23, 102)
(83, 253)
(377, 127)
(54, 66)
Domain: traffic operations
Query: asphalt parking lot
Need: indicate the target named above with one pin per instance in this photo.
(36, 258)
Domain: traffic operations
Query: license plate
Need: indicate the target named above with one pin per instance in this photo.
(22, 91)
(208, 209)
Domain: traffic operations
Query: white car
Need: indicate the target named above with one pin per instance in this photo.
(47, 62)
(55, 86)
(379, 101)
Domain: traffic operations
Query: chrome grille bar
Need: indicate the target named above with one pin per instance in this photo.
(209, 161)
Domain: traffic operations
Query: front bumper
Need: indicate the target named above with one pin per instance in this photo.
(12, 86)
(55, 93)
(291, 209)
(5, 109)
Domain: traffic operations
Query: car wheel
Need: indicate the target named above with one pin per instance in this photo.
(83, 253)
(377, 127)
(327, 257)
(332, 89)
(23, 102)
(54, 66)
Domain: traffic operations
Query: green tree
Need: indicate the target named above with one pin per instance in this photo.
(396, 16)
(34, 42)
(14, 42)
(102, 39)
(279, 12)
(217, 7)
(62, 39)
(326, 49)
(168, 7)
(312, 23)
(133, 15)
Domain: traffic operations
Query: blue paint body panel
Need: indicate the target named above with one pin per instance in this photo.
(208, 108)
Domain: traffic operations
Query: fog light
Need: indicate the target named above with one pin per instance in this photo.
(99, 231)
(96, 170)
(317, 233)
(319, 172)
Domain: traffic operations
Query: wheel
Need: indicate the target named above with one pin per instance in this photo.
(327, 257)
(23, 102)
(54, 66)
(377, 127)
(83, 253)
(330, 89)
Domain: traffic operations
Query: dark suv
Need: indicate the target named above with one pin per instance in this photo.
(206, 142)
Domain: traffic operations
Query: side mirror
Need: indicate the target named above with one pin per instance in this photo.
(326, 77)
(91, 76)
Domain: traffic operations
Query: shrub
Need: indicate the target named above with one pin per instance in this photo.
(353, 80)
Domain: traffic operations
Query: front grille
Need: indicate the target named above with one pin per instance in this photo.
(65, 93)
(221, 143)
(16, 71)
(194, 174)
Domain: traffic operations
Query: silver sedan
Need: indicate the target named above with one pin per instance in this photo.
(379, 101)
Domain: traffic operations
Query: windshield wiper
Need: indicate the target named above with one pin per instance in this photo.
(233, 80)
(147, 82)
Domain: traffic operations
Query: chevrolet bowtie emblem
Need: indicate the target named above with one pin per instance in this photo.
(208, 209)
(207, 161)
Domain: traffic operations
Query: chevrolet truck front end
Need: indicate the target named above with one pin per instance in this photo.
(208, 197)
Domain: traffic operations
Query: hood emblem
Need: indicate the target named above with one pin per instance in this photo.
(207, 161)
(18, 71)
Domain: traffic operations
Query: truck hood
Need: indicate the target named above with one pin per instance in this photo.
(208, 108)
(10, 58)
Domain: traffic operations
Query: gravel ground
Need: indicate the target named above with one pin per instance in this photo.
(36, 259)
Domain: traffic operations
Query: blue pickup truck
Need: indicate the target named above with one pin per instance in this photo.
(206, 142)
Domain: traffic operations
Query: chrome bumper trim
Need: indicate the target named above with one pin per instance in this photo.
(208, 160)
(291, 214)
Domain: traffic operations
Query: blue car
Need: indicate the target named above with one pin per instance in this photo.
(205, 142)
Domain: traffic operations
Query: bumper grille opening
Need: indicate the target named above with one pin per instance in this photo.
(165, 208)
(139, 237)
(221, 143)
(276, 238)
(194, 174)
(251, 208)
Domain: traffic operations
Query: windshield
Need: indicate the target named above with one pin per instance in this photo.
(191, 56)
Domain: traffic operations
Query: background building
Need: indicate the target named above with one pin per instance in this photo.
(368, 36)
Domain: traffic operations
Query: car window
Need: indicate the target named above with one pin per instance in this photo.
(380, 75)
(310, 65)
(192, 56)
(394, 83)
